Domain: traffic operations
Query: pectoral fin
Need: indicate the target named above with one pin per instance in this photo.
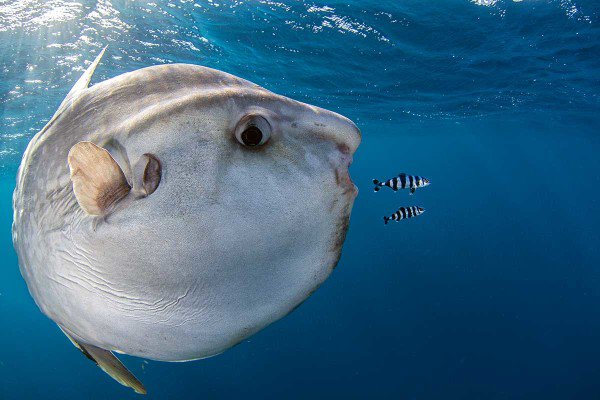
(98, 181)
(109, 364)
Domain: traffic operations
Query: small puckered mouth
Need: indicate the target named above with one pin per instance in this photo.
(347, 185)
(342, 175)
(340, 159)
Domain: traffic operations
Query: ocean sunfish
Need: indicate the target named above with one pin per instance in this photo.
(171, 212)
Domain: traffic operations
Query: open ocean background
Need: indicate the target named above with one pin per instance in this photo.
(493, 293)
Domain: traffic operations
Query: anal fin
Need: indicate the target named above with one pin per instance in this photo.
(110, 364)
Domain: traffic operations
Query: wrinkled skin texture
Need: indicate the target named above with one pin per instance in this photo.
(232, 239)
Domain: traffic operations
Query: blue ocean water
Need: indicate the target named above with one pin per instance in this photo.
(493, 293)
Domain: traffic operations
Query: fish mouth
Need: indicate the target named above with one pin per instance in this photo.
(342, 175)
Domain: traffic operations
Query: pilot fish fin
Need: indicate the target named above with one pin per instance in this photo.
(109, 364)
(377, 185)
(412, 190)
(81, 83)
(98, 181)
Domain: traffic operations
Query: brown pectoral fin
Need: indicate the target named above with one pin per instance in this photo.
(98, 181)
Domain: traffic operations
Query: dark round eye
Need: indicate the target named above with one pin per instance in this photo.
(252, 136)
(253, 130)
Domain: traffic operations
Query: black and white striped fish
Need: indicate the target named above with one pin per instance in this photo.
(403, 213)
(402, 181)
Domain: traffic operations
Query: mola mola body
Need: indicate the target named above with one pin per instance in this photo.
(170, 212)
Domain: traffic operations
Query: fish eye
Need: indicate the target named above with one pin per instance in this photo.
(253, 130)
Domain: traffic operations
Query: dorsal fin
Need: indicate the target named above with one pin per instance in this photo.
(85, 79)
(82, 82)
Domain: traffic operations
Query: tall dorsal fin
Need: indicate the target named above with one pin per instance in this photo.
(82, 82)
(85, 79)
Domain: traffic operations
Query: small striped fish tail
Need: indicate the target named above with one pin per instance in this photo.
(386, 219)
(377, 185)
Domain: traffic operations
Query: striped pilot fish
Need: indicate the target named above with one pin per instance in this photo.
(403, 213)
(402, 181)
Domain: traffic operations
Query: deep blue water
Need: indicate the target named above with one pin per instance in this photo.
(493, 293)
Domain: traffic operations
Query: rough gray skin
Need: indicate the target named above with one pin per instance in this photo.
(233, 239)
